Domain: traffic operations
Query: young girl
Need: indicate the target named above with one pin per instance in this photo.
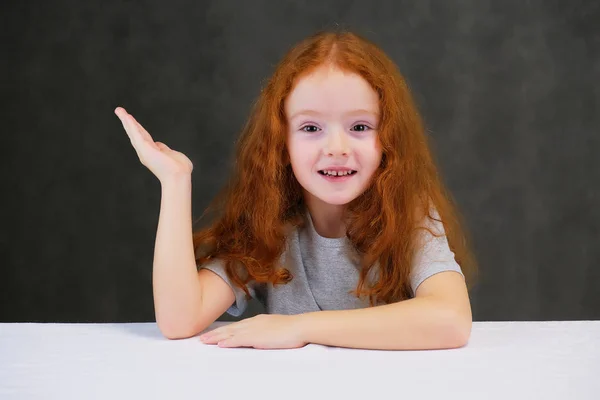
(335, 218)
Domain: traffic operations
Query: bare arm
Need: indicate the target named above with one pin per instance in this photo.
(178, 288)
(175, 283)
(439, 317)
(185, 301)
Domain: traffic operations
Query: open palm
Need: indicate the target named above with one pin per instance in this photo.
(162, 161)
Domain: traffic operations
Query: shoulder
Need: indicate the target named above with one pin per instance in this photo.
(432, 252)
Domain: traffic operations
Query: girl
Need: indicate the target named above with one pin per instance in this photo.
(335, 217)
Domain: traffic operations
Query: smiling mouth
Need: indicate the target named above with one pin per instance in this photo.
(338, 174)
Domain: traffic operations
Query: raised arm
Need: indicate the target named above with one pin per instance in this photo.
(185, 301)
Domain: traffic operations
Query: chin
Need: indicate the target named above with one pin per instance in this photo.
(337, 200)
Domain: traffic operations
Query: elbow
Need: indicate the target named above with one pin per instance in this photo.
(457, 331)
(173, 331)
(174, 334)
(460, 338)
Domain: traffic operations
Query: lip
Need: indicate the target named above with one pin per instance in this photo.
(338, 168)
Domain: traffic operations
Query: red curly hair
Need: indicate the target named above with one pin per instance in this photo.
(263, 200)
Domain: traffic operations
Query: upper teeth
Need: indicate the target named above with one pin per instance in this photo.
(337, 173)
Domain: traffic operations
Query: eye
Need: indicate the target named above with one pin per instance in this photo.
(311, 130)
(364, 127)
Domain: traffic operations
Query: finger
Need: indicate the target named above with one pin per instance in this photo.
(143, 132)
(236, 341)
(217, 337)
(231, 327)
(129, 126)
(162, 146)
(222, 332)
(133, 128)
(134, 131)
(231, 342)
(214, 332)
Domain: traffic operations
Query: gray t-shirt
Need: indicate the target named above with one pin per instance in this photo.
(325, 269)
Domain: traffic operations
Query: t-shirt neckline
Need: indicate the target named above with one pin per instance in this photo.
(321, 240)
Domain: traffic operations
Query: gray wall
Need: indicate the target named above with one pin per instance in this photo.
(509, 91)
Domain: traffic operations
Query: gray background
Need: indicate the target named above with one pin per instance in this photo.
(508, 89)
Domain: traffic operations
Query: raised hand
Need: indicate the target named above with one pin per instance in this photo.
(163, 162)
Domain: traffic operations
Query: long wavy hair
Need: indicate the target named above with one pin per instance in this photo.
(262, 201)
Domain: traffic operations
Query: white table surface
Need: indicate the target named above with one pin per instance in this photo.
(503, 360)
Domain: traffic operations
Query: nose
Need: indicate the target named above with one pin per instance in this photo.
(337, 144)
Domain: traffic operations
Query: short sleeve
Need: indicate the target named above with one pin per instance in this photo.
(239, 306)
(433, 254)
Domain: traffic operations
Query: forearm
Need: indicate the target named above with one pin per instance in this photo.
(419, 323)
(176, 289)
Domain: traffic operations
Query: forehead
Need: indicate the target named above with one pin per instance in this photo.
(331, 90)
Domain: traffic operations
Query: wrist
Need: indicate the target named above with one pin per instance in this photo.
(304, 323)
(176, 180)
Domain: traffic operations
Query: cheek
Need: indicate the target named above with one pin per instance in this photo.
(377, 158)
(377, 153)
(294, 154)
(291, 150)
(301, 153)
(369, 155)
(296, 160)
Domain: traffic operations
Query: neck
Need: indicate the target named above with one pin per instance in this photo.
(327, 218)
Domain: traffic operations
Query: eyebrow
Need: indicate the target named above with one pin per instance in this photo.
(349, 113)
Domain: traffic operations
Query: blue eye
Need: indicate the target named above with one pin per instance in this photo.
(309, 126)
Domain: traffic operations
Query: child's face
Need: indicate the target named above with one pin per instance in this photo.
(332, 118)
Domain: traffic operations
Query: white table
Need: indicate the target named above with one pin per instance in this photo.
(503, 360)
